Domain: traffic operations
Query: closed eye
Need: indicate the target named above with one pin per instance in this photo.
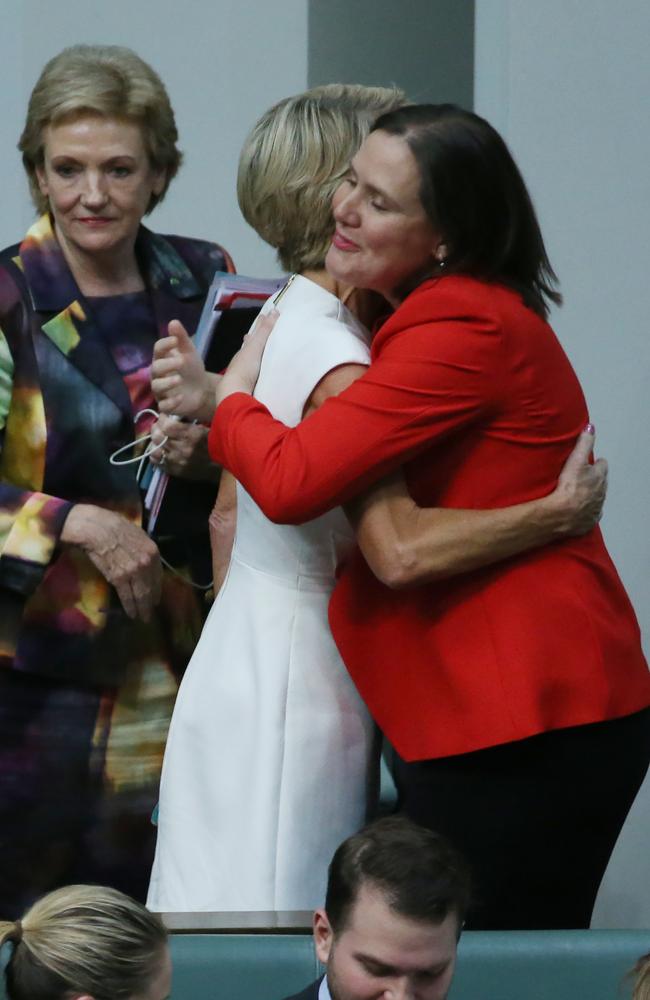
(428, 975)
(378, 970)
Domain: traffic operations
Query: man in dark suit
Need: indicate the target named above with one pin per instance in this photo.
(394, 909)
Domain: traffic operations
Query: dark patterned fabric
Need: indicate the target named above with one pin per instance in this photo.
(85, 693)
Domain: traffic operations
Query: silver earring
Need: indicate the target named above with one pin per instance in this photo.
(442, 264)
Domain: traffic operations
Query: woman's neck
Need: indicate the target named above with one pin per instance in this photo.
(115, 272)
(366, 306)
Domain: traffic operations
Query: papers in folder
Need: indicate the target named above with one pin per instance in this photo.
(227, 291)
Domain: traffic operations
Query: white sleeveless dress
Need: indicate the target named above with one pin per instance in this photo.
(271, 752)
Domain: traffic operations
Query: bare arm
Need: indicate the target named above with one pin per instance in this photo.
(222, 523)
(405, 545)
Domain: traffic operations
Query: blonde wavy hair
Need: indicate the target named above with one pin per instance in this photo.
(641, 972)
(106, 80)
(83, 939)
(293, 161)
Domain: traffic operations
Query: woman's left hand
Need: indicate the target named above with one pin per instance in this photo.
(581, 488)
(243, 371)
(185, 452)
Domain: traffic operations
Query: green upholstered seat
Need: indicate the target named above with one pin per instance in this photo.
(520, 965)
(533, 965)
(547, 965)
(241, 966)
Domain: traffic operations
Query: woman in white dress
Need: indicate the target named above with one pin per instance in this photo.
(271, 756)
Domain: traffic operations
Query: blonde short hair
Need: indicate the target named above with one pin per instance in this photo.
(105, 80)
(641, 972)
(294, 159)
(83, 939)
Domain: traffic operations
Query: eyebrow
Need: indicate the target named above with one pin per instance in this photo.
(111, 159)
(376, 963)
(388, 970)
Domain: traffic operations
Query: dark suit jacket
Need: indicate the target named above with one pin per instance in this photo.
(310, 993)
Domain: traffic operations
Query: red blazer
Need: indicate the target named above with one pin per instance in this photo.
(472, 393)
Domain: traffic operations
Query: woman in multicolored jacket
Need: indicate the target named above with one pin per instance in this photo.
(94, 633)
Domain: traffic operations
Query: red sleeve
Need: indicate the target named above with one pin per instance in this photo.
(426, 382)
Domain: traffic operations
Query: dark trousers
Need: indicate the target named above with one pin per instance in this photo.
(536, 819)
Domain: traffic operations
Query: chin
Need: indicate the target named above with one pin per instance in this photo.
(100, 242)
(333, 264)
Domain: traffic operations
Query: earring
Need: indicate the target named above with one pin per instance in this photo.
(441, 256)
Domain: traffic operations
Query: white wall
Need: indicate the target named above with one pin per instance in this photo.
(567, 82)
(426, 47)
(224, 62)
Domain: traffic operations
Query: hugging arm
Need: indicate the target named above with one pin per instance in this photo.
(402, 543)
(406, 545)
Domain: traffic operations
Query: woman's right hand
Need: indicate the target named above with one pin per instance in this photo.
(244, 369)
(122, 552)
(582, 487)
(179, 380)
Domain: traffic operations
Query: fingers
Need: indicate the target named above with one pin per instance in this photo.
(146, 588)
(122, 552)
(169, 404)
(165, 372)
(166, 390)
(163, 348)
(126, 598)
(264, 323)
(185, 450)
(139, 581)
(581, 450)
(262, 328)
(158, 441)
(183, 340)
(158, 435)
(167, 426)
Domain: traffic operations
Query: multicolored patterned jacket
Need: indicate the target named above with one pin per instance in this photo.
(64, 408)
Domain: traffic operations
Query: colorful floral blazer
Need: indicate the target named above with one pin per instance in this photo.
(64, 408)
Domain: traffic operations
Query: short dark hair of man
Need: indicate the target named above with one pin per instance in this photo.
(419, 873)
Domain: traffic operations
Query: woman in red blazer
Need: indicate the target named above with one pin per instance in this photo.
(515, 695)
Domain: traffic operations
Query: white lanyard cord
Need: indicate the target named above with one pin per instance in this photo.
(114, 459)
(149, 450)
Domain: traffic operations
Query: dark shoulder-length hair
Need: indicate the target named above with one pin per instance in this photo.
(475, 197)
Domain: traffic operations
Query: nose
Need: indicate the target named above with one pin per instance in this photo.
(345, 207)
(400, 989)
(94, 194)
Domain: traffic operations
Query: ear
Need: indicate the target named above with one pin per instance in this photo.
(159, 181)
(441, 253)
(81, 996)
(323, 936)
(42, 180)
